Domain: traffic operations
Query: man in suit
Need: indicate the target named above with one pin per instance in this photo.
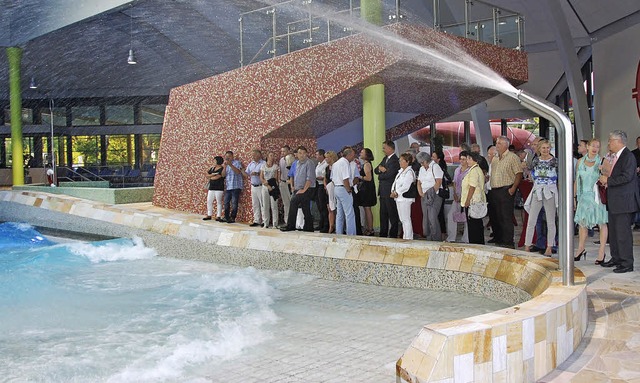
(387, 171)
(623, 202)
(636, 153)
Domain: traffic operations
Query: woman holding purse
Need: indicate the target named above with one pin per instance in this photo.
(473, 193)
(452, 222)
(401, 185)
(590, 211)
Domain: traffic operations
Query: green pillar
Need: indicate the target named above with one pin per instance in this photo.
(14, 55)
(373, 110)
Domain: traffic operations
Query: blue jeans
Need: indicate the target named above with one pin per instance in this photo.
(344, 207)
(231, 198)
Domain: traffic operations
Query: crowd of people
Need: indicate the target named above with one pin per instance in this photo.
(413, 187)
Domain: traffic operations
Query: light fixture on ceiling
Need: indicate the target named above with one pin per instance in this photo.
(132, 57)
(33, 84)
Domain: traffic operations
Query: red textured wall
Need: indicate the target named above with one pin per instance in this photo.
(291, 99)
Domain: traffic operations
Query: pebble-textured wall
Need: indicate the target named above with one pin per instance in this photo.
(296, 98)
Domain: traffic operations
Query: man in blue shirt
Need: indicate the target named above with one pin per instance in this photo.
(232, 186)
(253, 171)
(304, 182)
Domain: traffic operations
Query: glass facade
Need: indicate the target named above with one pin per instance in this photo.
(152, 113)
(119, 115)
(27, 116)
(59, 116)
(85, 115)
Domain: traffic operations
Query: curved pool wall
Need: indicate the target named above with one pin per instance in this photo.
(522, 343)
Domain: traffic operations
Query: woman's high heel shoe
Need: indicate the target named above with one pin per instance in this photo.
(579, 257)
(598, 261)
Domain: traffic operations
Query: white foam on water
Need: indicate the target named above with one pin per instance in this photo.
(110, 251)
(242, 303)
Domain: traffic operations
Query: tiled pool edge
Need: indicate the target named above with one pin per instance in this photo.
(493, 347)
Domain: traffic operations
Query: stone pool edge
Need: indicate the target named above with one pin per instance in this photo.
(521, 343)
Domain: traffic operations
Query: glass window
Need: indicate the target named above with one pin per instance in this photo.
(120, 150)
(59, 116)
(150, 148)
(152, 113)
(27, 116)
(85, 115)
(119, 115)
(86, 150)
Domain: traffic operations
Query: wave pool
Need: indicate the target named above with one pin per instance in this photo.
(113, 311)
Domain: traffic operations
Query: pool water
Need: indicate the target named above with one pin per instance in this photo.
(114, 311)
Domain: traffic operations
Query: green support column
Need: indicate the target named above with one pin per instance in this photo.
(14, 56)
(373, 109)
(374, 129)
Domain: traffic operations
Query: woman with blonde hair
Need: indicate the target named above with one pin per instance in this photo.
(400, 186)
(544, 172)
(589, 209)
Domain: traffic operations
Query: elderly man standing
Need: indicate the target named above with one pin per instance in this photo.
(304, 183)
(387, 171)
(506, 174)
(343, 181)
(232, 186)
(623, 201)
(253, 171)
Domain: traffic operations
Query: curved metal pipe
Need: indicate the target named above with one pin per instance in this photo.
(565, 178)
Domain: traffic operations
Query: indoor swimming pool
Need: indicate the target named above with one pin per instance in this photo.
(114, 311)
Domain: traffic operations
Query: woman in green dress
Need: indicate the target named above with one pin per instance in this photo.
(590, 211)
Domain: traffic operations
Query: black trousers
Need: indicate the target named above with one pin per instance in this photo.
(621, 238)
(388, 215)
(502, 206)
(303, 201)
(322, 200)
(495, 229)
(475, 228)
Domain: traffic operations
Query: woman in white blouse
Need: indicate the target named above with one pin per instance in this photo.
(429, 181)
(401, 185)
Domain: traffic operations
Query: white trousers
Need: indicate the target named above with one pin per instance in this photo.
(534, 211)
(404, 214)
(269, 208)
(286, 198)
(217, 195)
(256, 203)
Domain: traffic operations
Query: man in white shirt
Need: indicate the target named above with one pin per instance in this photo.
(253, 171)
(321, 193)
(343, 181)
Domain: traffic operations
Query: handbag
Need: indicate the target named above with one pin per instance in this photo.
(602, 193)
(478, 210)
(443, 192)
(459, 217)
(206, 185)
(412, 192)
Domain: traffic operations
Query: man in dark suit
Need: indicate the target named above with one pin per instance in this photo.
(623, 202)
(636, 153)
(387, 171)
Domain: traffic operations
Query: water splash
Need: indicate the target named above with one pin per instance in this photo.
(446, 61)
